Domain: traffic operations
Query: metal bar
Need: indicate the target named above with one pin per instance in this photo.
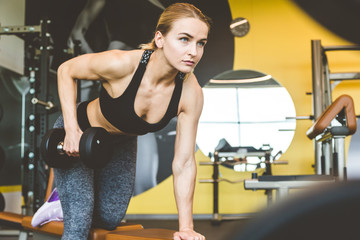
(339, 148)
(326, 152)
(342, 48)
(10, 30)
(45, 47)
(318, 164)
(318, 88)
(345, 76)
(216, 186)
(326, 81)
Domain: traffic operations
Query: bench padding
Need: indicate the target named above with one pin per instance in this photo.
(344, 102)
(12, 220)
(56, 228)
(143, 234)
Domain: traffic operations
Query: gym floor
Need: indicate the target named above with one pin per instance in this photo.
(221, 231)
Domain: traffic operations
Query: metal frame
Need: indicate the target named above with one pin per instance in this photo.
(215, 180)
(322, 98)
(34, 172)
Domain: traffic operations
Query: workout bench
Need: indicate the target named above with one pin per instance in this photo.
(331, 161)
(54, 230)
(142, 234)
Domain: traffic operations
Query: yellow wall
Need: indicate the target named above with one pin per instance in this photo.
(278, 44)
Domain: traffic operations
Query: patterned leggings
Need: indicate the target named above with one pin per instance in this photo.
(97, 198)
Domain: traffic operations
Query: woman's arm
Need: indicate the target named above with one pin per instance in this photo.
(184, 165)
(105, 66)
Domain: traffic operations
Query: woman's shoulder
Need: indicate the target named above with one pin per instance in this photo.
(122, 62)
(122, 57)
(192, 94)
(191, 85)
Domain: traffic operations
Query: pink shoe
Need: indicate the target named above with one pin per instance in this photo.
(50, 211)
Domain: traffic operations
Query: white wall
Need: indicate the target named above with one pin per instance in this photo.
(12, 13)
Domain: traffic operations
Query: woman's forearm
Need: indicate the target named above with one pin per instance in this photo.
(184, 185)
(67, 89)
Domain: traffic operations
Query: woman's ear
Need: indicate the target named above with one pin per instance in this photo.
(159, 39)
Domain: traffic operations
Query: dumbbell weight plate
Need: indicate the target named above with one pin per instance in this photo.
(49, 151)
(94, 147)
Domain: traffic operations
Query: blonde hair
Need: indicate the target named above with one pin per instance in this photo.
(173, 13)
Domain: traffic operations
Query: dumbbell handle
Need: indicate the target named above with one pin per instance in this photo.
(60, 148)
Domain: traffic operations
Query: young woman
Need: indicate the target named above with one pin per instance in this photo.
(141, 91)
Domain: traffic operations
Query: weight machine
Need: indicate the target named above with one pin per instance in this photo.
(227, 155)
(328, 136)
(38, 106)
(323, 80)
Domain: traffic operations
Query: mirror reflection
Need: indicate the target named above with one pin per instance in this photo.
(246, 108)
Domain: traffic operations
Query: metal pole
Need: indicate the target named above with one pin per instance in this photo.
(216, 186)
(317, 93)
(339, 148)
(317, 75)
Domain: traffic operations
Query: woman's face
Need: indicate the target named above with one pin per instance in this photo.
(183, 45)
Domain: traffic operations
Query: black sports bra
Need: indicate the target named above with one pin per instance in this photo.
(120, 111)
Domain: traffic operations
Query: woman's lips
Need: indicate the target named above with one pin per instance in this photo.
(189, 62)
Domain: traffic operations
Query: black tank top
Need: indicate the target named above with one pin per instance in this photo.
(120, 111)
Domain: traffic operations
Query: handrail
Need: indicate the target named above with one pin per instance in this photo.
(344, 102)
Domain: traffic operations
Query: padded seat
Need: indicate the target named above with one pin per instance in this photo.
(56, 228)
(11, 220)
(143, 234)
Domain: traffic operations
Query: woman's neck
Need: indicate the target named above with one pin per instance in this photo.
(160, 69)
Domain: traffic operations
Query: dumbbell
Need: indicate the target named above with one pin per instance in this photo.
(94, 148)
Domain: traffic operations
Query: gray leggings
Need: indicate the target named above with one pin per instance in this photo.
(97, 198)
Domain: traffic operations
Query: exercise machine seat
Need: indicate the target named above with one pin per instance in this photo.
(143, 234)
(343, 103)
(56, 228)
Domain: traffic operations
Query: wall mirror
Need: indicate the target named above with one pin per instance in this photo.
(246, 108)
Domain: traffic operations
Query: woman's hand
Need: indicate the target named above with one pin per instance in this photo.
(188, 234)
(71, 142)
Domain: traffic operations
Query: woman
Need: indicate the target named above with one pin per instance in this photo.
(141, 91)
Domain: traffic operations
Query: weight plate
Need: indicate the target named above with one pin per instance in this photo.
(95, 147)
(49, 151)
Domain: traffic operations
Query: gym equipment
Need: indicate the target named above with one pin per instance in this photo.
(94, 149)
(227, 155)
(324, 81)
(38, 47)
(52, 230)
(142, 234)
(282, 184)
(330, 158)
(332, 165)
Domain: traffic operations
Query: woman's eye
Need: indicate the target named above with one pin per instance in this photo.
(184, 39)
(201, 44)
